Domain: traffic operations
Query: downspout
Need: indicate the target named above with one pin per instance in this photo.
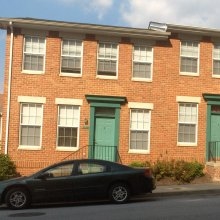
(9, 87)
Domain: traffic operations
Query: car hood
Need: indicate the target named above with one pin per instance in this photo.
(13, 180)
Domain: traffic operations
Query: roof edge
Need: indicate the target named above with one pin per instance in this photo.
(81, 27)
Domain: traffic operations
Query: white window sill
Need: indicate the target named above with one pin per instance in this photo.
(188, 74)
(139, 151)
(31, 72)
(141, 80)
(215, 76)
(106, 77)
(24, 147)
(71, 74)
(71, 149)
(186, 144)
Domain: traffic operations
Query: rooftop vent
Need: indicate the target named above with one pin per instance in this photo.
(156, 26)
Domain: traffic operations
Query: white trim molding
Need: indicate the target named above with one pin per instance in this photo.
(190, 99)
(32, 99)
(66, 101)
(141, 105)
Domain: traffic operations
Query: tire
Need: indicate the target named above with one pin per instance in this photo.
(119, 193)
(17, 198)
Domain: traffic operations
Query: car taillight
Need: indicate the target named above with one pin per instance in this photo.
(147, 172)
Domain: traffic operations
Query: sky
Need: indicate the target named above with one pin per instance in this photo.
(129, 13)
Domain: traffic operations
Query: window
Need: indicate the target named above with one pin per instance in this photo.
(34, 53)
(188, 115)
(31, 124)
(139, 129)
(71, 57)
(216, 60)
(60, 171)
(107, 59)
(189, 57)
(68, 126)
(142, 62)
(89, 168)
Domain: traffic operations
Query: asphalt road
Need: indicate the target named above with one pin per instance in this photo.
(179, 207)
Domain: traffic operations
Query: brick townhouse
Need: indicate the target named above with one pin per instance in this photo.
(116, 93)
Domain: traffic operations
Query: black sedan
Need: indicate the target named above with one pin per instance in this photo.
(76, 180)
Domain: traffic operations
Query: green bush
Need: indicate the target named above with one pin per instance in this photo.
(162, 169)
(7, 167)
(187, 171)
(180, 170)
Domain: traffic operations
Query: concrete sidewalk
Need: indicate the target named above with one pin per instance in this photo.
(213, 187)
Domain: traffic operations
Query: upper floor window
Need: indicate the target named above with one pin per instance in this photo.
(189, 57)
(139, 129)
(71, 56)
(34, 53)
(142, 62)
(31, 118)
(216, 60)
(188, 119)
(107, 59)
(68, 126)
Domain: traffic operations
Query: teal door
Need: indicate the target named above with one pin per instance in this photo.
(215, 136)
(215, 127)
(104, 146)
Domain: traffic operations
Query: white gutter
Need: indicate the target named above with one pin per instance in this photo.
(9, 87)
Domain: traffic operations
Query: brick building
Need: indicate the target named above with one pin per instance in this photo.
(84, 90)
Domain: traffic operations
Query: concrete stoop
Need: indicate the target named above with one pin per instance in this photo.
(213, 169)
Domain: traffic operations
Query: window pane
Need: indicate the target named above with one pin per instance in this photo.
(216, 67)
(188, 65)
(107, 59)
(67, 137)
(71, 56)
(139, 129)
(142, 70)
(139, 140)
(187, 122)
(34, 52)
(30, 136)
(187, 133)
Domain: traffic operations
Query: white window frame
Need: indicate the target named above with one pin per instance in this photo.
(43, 54)
(193, 101)
(31, 100)
(147, 61)
(216, 58)
(108, 59)
(190, 56)
(72, 74)
(74, 103)
(140, 106)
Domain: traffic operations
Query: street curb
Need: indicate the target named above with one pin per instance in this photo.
(185, 192)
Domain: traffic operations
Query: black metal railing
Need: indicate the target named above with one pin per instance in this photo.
(214, 151)
(103, 152)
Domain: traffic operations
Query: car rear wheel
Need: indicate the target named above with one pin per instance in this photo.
(119, 193)
(17, 198)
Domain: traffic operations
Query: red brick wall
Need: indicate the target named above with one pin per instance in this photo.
(162, 92)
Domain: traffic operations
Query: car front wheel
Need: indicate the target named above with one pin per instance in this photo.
(119, 193)
(17, 198)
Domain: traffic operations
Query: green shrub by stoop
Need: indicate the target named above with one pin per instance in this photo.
(7, 167)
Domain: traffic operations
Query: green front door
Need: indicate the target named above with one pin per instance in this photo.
(215, 136)
(104, 146)
(215, 127)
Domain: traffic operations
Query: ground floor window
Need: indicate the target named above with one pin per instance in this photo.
(68, 125)
(31, 124)
(139, 129)
(187, 126)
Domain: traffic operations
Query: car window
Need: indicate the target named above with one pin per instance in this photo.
(60, 171)
(89, 168)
